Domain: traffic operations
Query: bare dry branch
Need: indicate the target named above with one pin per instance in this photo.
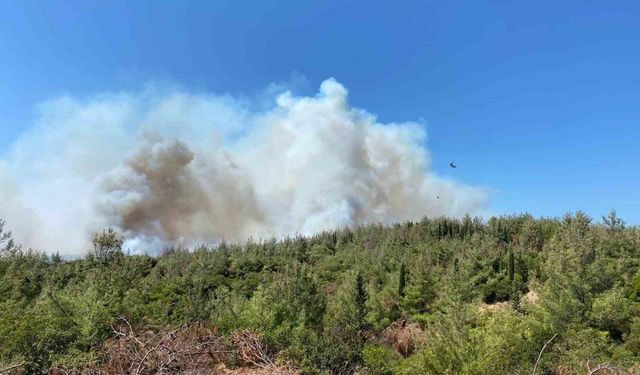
(252, 349)
(535, 367)
(603, 367)
(189, 347)
(11, 367)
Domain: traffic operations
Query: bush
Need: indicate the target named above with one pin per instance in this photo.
(379, 360)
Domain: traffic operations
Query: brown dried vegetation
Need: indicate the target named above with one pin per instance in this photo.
(192, 349)
(404, 337)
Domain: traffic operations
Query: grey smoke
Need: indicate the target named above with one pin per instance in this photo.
(178, 168)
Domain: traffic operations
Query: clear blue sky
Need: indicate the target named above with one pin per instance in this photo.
(539, 101)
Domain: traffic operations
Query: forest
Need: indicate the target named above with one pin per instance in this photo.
(508, 295)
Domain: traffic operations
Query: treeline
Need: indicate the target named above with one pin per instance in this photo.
(439, 296)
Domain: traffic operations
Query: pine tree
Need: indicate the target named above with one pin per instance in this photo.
(7, 245)
(420, 293)
(511, 266)
(108, 245)
(402, 280)
(56, 258)
(612, 222)
(360, 296)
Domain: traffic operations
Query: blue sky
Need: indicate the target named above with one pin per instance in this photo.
(539, 101)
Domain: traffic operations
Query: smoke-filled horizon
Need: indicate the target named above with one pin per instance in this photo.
(177, 168)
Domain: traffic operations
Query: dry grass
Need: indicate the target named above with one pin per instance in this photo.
(531, 298)
(485, 307)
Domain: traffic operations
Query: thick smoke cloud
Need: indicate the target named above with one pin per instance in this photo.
(180, 169)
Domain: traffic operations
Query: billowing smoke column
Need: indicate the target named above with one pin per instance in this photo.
(181, 169)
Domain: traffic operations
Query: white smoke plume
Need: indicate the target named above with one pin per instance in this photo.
(177, 168)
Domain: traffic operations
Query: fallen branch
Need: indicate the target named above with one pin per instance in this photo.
(189, 347)
(535, 367)
(11, 367)
(252, 349)
(604, 367)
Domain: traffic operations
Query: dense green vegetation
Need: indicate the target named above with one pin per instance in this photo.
(439, 296)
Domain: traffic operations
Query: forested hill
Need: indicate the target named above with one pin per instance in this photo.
(439, 296)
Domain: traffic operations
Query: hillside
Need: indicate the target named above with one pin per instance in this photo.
(439, 296)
